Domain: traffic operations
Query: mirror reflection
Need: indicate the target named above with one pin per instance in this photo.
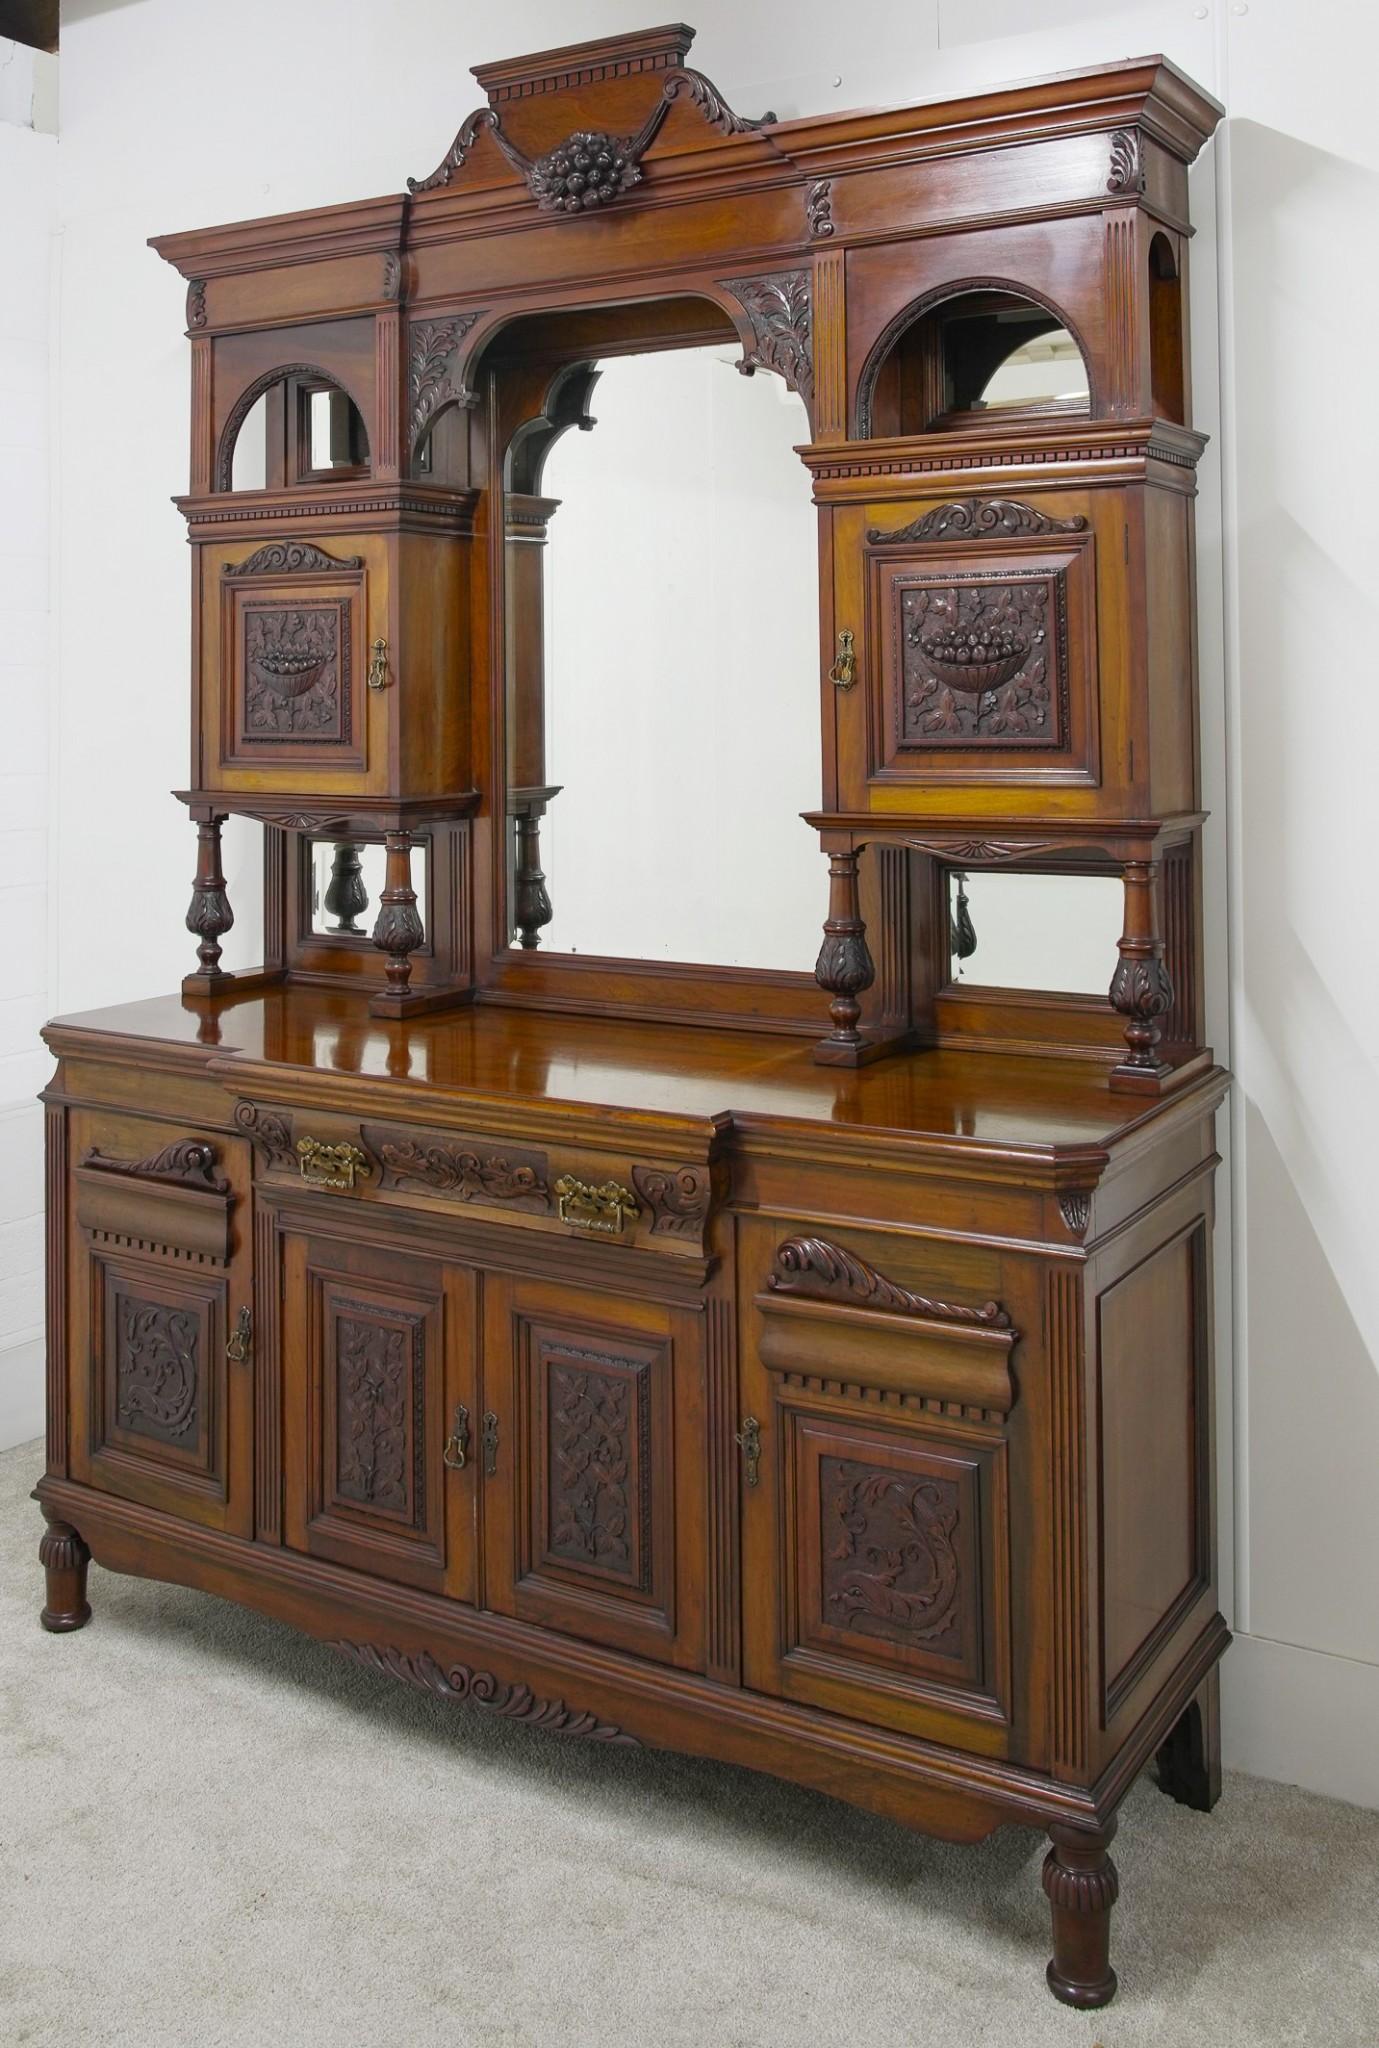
(1054, 933)
(662, 667)
(347, 879)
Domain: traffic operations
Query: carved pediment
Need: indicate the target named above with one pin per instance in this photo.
(576, 123)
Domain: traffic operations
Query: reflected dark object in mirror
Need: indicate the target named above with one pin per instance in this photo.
(962, 932)
(346, 898)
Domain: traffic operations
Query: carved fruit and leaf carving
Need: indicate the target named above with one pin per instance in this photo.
(157, 1369)
(890, 1568)
(293, 660)
(590, 1426)
(586, 170)
(981, 660)
(467, 1687)
(379, 1367)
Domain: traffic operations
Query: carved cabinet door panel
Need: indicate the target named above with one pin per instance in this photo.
(378, 1357)
(161, 1381)
(593, 1473)
(876, 1556)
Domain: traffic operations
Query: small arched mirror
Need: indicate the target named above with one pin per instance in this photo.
(300, 429)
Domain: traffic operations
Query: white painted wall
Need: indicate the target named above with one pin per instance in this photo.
(28, 202)
(163, 130)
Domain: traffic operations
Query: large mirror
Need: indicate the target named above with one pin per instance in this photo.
(1056, 933)
(663, 667)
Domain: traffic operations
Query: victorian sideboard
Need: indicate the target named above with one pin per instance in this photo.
(623, 1346)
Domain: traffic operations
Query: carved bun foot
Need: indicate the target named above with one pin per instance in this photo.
(64, 1558)
(1081, 1885)
(1189, 1760)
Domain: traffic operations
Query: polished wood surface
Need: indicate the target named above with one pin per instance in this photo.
(586, 1339)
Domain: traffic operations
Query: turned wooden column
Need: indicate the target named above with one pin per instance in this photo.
(346, 898)
(1141, 989)
(64, 1558)
(844, 966)
(531, 899)
(209, 915)
(398, 930)
(1082, 1885)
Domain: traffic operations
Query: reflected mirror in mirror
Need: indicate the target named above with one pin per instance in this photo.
(1047, 370)
(662, 648)
(249, 459)
(347, 878)
(1055, 933)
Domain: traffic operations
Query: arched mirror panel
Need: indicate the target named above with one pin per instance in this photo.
(662, 666)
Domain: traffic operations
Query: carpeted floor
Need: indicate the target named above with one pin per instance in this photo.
(215, 1832)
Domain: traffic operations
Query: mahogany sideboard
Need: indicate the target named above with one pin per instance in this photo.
(591, 1341)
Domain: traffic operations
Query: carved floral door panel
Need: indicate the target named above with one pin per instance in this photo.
(593, 1518)
(378, 1364)
(163, 1411)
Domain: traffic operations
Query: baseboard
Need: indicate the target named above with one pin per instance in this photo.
(1303, 1717)
(21, 1392)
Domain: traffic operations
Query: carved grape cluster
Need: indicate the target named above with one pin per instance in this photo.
(980, 657)
(584, 171)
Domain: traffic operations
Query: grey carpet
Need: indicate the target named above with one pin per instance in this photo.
(216, 1834)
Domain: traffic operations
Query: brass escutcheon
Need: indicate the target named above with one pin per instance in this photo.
(330, 1166)
(585, 1207)
(239, 1342)
(378, 665)
(748, 1440)
(844, 670)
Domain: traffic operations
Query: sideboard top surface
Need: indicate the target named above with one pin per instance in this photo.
(631, 1070)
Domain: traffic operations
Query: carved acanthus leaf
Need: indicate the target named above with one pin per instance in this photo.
(470, 130)
(291, 558)
(780, 311)
(1075, 1207)
(818, 207)
(432, 348)
(975, 518)
(481, 1689)
(813, 1266)
(196, 302)
(678, 1201)
(190, 1162)
(1127, 165)
(269, 1131)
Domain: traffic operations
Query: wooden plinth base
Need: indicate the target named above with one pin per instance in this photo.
(1161, 1080)
(418, 1002)
(875, 1044)
(250, 982)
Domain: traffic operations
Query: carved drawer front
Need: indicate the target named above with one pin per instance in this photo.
(161, 1373)
(976, 655)
(589, 1518)
(291, 631)
(876, 1545)
(376, 1348)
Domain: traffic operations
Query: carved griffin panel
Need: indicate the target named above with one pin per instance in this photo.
(296, 672)
(157, 1369)
(981, 658)
(889, 1562)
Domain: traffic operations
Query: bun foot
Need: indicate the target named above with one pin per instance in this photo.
(1081, 1885)
(64, 1558)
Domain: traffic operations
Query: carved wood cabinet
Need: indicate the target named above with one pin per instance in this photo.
(590, 1340)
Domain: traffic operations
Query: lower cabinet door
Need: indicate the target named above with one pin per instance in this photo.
(378, 1372)
(593, 1479)
(876, 1559)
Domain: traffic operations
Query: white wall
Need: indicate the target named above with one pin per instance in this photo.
(28, 197)
(200, 131)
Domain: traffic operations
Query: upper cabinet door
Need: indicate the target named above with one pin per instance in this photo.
(594, 1518)
(378, 1364)
(163, 1404)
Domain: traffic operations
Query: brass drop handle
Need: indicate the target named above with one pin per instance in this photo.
(748, 1440)
(240, 1341)
(330, 1166)
(378, 665)
(456, 1452)
(844, 670)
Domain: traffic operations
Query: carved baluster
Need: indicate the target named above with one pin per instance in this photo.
(398, 931)
(346, 898)
(64, 1558)
(1082, 1885)
(532, 903)
(844, 966)
(1140, 988)
(209, 914)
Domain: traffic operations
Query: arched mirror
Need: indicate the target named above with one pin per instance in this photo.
(662, 666)
(300, 428)
(978, 351)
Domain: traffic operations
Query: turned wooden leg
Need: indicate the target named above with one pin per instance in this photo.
(1190, 1757)
(532, 907)
(1141, 990)
(844, 966)
(64, 1558)
(209, 915)
(1081, 1883)
(346, 897)
(398, 931)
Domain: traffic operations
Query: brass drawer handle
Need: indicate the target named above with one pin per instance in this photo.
(843, 673)
(378, 665)
(456, 1452)
(605, 1208)
(240, 1341)
(748, 1440)
(330, 1166)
